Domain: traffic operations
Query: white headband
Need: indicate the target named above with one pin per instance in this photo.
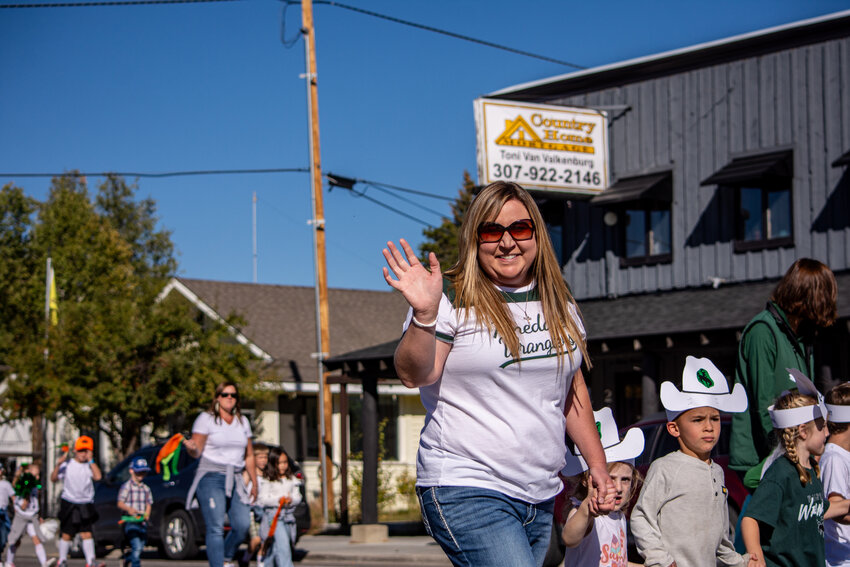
(782, 418)
(838, 414)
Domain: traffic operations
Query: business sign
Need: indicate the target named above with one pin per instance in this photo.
(542, 147)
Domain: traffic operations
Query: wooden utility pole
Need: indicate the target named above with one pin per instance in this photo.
(318, 222)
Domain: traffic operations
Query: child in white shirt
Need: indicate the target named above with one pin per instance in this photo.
(835, 474)
(279, 493)
(27, 487)
(595, 540)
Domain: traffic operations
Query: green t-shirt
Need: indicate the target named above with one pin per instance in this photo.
(795, 514)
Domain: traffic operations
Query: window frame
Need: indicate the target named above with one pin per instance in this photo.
(646, 259)
(739, 244)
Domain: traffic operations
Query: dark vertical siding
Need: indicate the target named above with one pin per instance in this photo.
(693, 123)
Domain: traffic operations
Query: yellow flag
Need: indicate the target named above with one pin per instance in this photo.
(54, 304)
(52, 308)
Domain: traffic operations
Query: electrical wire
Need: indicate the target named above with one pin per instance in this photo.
(406, 200)
(413, 191)
(287, 43)
(165, 174)
(110, 3)
(447, 33)
(290, 42)
(393, 209)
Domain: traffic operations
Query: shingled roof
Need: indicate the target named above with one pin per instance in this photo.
(281, 320)
(664, 313)
(687, 310)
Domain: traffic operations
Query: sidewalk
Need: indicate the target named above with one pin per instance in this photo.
(416, 550)
(398, 549)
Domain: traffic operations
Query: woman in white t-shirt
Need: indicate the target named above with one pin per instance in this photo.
(221, 436)
(495, 348)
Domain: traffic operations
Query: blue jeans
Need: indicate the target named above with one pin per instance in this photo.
(5, 526)
(280, 553)
(136, 534)
(214, 505)
(477, 527)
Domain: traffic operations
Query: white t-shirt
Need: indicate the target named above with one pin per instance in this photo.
(32, 505)
(226, 442)
(270, 492)
(491, 421)
(6, 493)
(835, 473)
(605, 545)
(78, 487)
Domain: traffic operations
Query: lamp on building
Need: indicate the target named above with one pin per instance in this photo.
(610, 218)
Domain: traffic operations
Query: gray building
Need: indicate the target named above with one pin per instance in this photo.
(728, 161)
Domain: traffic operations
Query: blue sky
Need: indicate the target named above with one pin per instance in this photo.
(211, 86)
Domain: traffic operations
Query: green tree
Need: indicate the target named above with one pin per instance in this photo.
(119, 359)
(442, 240)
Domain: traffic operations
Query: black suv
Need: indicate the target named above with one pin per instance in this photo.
(176, 531)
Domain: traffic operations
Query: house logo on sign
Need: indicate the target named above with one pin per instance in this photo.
(515, 134)
(519, 133)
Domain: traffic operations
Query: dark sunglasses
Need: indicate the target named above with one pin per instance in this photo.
(233, 395)
(493, 231)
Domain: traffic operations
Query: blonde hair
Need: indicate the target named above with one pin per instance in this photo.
(474, 289)
(580, 483)
(788, 436)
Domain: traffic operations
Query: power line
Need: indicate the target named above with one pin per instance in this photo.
(413, 191)
(393, 209)
(110, 3)
(164, 174)
(444, 32)
(399, 197)
(289, 43)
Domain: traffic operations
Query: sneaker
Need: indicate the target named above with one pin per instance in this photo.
(51, 562)
(63, 563)
(229, 564)
(260, 561)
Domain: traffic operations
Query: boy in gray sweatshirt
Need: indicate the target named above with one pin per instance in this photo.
(681, 518)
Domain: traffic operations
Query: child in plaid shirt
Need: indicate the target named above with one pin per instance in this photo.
(135, 500)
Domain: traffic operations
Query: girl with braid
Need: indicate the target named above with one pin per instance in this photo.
(783, 523)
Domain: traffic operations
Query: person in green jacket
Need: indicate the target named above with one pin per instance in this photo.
(779, 337)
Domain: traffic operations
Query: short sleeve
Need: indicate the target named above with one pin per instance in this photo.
(202, 424)
(246, 425)
(122, 492)
(835, 473)
(446, 321)
(149, 494)
(764, 505)
(578, 322)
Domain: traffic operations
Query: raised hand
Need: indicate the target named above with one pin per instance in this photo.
(421, 287)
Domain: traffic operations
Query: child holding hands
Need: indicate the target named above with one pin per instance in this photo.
(600, 540)
(135, 500)
(681, 517)
(783, 522)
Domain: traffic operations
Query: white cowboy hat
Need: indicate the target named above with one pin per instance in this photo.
(616, 451)
(782, 418)
(703, 385)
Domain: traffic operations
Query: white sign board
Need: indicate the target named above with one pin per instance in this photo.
(542, 147)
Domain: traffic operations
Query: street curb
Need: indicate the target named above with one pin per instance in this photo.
(355, 558)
